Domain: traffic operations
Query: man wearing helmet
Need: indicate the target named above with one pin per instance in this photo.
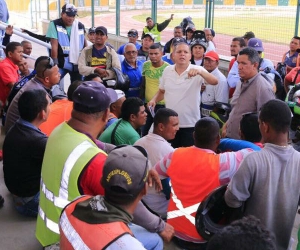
(198, 48)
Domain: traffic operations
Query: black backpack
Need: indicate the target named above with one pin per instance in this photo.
(280, 92)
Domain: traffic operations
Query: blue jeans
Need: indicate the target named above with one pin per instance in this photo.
(74, 75)
(150, 241)
(27, 206)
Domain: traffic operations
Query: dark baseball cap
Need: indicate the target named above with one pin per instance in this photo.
(92, 97)
(125, 171)
(149, 35)
(92, 30)
(256, 44)
(69, 9)
(133, 31)
(249, 35)
(101, 29)
(177, 40)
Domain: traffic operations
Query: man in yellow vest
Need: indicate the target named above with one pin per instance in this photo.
(85, 222)
(194, 172)
(73, 164)
(156, 28)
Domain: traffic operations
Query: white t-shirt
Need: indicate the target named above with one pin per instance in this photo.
(182, 94)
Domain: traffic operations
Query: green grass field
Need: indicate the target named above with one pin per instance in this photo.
(273, 26)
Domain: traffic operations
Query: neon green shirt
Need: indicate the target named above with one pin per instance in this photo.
(152, 76)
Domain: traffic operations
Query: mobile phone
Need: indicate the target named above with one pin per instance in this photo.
(151, 111)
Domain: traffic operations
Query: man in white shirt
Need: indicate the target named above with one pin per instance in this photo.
(165, 128)
(213, 93)
(180, 86)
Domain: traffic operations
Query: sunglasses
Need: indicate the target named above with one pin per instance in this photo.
(132, 35)
(49, 65)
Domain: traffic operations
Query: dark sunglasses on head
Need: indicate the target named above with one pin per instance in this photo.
(49, 65)
(132, 35)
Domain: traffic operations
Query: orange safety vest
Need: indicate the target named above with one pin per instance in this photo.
(194, 173)
(78, 234)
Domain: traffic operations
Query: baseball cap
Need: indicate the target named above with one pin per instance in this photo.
(199, 42)
(125, 171)
(150, 35)
(120, 93)
(256, 44)
(69, 9)
(92, 97)
(92, 30)
(249, 35)
(191, 28)
(177, 40)
(133, 31)
(101, 29)
(212, 55)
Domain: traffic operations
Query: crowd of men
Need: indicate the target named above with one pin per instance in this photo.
(106, 168)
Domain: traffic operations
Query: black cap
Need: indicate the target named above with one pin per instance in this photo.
(149, 35)
(101, 29)
(69, 9)
(133, 31)
(92, 30)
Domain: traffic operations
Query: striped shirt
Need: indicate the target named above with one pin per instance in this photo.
(229, 163)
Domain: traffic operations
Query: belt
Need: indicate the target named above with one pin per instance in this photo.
(189, 245)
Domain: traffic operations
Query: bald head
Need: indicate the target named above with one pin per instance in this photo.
(207, 133)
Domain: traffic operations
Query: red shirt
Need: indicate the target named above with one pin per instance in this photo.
(91, 176)
(8, 74)
(231, 63)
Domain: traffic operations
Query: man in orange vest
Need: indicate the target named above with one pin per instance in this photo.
(194, 172)
(102, 221)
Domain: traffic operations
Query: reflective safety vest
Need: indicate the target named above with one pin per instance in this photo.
(79, 234)
(67, 153)
(64, 40)
(194, 173)
(154, 31)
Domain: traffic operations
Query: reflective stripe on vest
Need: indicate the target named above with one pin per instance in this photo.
(62, 200)
(53, 226)
(186, 212)
(71, 234)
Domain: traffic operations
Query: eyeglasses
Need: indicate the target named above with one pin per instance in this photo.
(49, 65)
(132, 35)
(134, 52)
